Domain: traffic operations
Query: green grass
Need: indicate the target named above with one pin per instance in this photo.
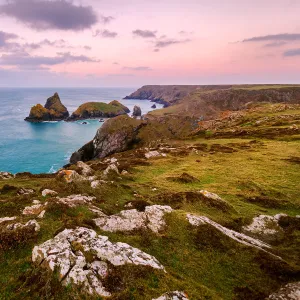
(202, 262)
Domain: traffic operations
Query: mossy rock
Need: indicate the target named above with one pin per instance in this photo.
(53, 110)
(91, 110)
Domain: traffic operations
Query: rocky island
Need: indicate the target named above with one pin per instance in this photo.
(91, 110)
(53, 110)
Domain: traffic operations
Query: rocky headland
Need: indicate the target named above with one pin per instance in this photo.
(180, 204)
(163, 94)
(91, 110)
(53, 110)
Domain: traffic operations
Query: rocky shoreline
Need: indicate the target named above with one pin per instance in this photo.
(156, 208)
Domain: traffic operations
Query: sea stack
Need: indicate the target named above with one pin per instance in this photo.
(53, 110)
(95, 110)
(137, 112)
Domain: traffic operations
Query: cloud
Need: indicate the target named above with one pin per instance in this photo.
(105, 34)
(106, 20)
(292, 52)
(275, 44)
(44, 14)
(156, 50)
(144, 33)
(165, 42)
(288, 37)
(184, 33)
(120, 75)
(5, 37)
(87, 48)
(142, 68)
(25, 60)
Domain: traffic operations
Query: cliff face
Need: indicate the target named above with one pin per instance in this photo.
(115, 135)
(91, 110)
(53, 110)
(208, 104)
(121, 133)
(164, 94)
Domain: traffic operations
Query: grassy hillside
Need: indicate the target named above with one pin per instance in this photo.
(253, 173)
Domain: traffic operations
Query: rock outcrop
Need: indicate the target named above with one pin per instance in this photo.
(84, 259)
(137, 112)
(265, 227)
(163, 94)
(116, 135)
(176, 295)
(48, 192)
(290, 291)
(75, 200)
(6, 175)
(30, 224)
(53, 110)
(128, 220)
(239, 237)
(208, 102)
(92, 110)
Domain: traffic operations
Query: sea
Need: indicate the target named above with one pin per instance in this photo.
(46, 147)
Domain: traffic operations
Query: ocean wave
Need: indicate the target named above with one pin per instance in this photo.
(67, 156)
(53, 169)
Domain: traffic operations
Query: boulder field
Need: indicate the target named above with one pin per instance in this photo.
(168, 206)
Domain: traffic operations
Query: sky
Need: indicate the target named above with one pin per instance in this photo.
(129, 43)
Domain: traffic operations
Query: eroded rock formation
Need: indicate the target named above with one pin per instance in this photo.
(53, 110)
(84, 258)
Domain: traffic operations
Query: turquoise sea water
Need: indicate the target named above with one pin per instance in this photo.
(45, 147)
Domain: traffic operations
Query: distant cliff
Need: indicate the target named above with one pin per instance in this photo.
(209, 103)
(53, 110)
(163, 94)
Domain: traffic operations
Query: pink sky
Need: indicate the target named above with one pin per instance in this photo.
(137, 42)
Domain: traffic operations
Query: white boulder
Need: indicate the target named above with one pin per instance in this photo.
(6, 175)
(264, 225)
(153, 154)
(65, 253)
(30, 223)
(86, 170)
(128, 220)
(7, 219)
(176, 295)
(47, 192)
(290, 291)
(75, 200)
(239, 237)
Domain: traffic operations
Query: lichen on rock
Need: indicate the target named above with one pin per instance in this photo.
(265, 227)
(75, 200)
(6, 175)
(176, 295)
(128, 220)
(291, 291)
(67, 253)
(239, 237)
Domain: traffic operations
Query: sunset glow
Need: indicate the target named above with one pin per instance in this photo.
(136, 42)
